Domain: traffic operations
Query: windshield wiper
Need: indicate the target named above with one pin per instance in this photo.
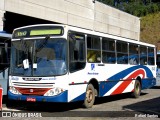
(42, 44)
(39, 47)
(25, 47)
(26, 52)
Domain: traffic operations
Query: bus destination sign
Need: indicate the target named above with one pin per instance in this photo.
(38, 31)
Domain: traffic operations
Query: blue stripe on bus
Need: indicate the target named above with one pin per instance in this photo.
(58, 98)
(106, 86)
(80, 97)
(148, 83)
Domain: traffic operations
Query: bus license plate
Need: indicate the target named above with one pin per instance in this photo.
(31, 99)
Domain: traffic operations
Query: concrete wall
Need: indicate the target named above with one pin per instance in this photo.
(82, 13)
(116, 22)
(1, 14)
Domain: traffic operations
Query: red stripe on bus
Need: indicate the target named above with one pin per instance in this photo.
(124, 85)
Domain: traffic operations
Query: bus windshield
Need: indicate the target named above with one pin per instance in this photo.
(41, 57)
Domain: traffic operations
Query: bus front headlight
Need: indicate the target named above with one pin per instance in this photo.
(14, 90)
(54, 91)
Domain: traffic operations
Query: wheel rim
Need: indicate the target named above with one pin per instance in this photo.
(89, 96)
(137, 88)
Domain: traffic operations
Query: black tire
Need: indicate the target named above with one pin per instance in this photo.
(137, 89)
(90, 96)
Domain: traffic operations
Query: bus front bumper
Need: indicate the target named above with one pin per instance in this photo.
(33, 98)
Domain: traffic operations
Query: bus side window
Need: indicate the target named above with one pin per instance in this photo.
(1, 55)
(4, 56)
(76, 51)
(133, 54)
(122, 52)
(93, 49)
(143, 55)
(151, 59)
(158, 60)
(108, 51)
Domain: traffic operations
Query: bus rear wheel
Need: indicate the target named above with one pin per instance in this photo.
(137, 89)
(90, 96)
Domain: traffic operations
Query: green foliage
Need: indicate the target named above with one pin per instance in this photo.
(150, 25)
(141, 9)
(108, 2)
(135, 7)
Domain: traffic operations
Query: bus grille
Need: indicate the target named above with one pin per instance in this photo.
(32, 85)
(32, 91)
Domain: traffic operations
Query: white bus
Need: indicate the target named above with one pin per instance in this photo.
(60, 63)
(158, 69)
(5, 41)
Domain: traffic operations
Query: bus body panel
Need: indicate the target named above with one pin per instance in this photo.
(109, 82)
(122, 82)
(29, 88)
(59, 98)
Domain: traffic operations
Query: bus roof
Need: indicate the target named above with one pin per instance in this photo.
(91, 32)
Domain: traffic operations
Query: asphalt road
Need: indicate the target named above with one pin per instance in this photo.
(147, 106)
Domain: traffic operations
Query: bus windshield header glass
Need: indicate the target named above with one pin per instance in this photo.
(38, 31)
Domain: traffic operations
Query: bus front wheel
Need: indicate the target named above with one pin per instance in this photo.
(137, 89)
(90, 96)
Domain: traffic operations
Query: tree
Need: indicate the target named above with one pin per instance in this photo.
(135, 7)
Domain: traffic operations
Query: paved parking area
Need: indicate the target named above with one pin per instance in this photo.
(119, 106)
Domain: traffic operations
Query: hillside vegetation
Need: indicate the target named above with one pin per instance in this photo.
(150, 28)
(135, 7)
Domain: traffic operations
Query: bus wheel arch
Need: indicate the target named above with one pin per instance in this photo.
(91, 93)
(139, 79)
(137, 87)
(95, 84)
